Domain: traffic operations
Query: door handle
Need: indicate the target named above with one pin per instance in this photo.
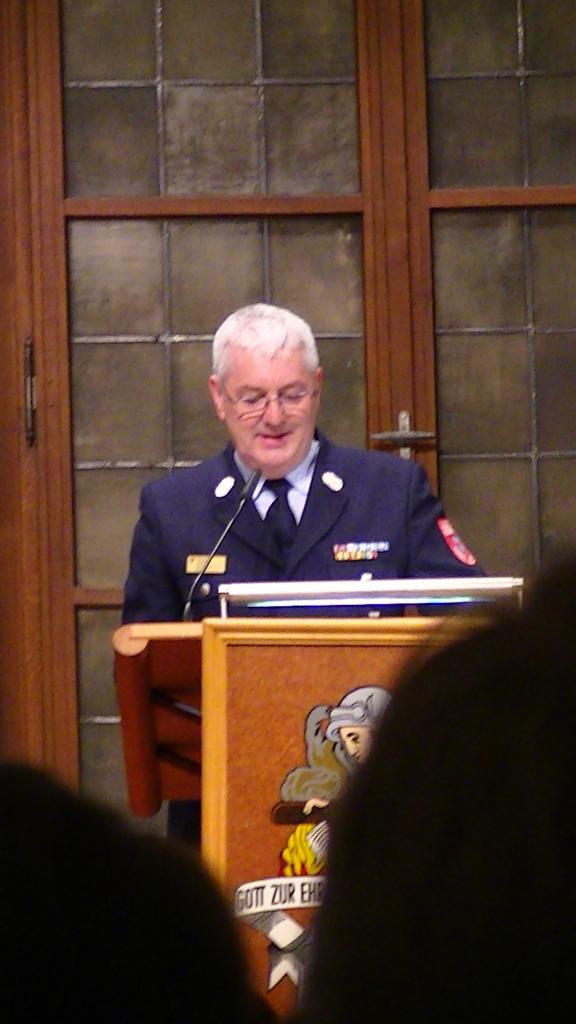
(404, 438)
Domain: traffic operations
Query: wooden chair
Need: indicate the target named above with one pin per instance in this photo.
(159, 696)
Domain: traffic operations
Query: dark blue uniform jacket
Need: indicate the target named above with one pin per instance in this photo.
(384, 501)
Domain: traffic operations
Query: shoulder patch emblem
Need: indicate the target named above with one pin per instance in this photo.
(456, 545)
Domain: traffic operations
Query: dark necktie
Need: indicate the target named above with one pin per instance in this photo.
(279, 518)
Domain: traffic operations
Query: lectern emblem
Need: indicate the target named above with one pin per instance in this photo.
(336, 738)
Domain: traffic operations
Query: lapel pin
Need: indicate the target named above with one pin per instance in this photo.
(333, 481)
(224, 487)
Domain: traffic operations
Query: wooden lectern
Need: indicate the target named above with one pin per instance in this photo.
(265, 684)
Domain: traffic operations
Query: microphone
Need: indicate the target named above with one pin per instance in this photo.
(248, 488)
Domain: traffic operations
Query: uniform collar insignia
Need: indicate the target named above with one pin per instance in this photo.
(332, 481)
(224, 486)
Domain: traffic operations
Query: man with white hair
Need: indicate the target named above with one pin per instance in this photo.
(317, 512)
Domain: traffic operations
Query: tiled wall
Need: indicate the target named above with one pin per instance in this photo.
(233, 96)
(502, 86)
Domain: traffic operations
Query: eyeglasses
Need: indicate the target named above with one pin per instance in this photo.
(254, 404)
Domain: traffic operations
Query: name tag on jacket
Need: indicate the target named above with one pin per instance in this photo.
(195, 563)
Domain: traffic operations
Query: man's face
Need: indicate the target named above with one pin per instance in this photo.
(357, 741)
(278, 437)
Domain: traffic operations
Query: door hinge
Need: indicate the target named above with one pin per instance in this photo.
(29, 393)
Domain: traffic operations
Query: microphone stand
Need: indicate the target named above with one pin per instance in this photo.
(247, 491)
